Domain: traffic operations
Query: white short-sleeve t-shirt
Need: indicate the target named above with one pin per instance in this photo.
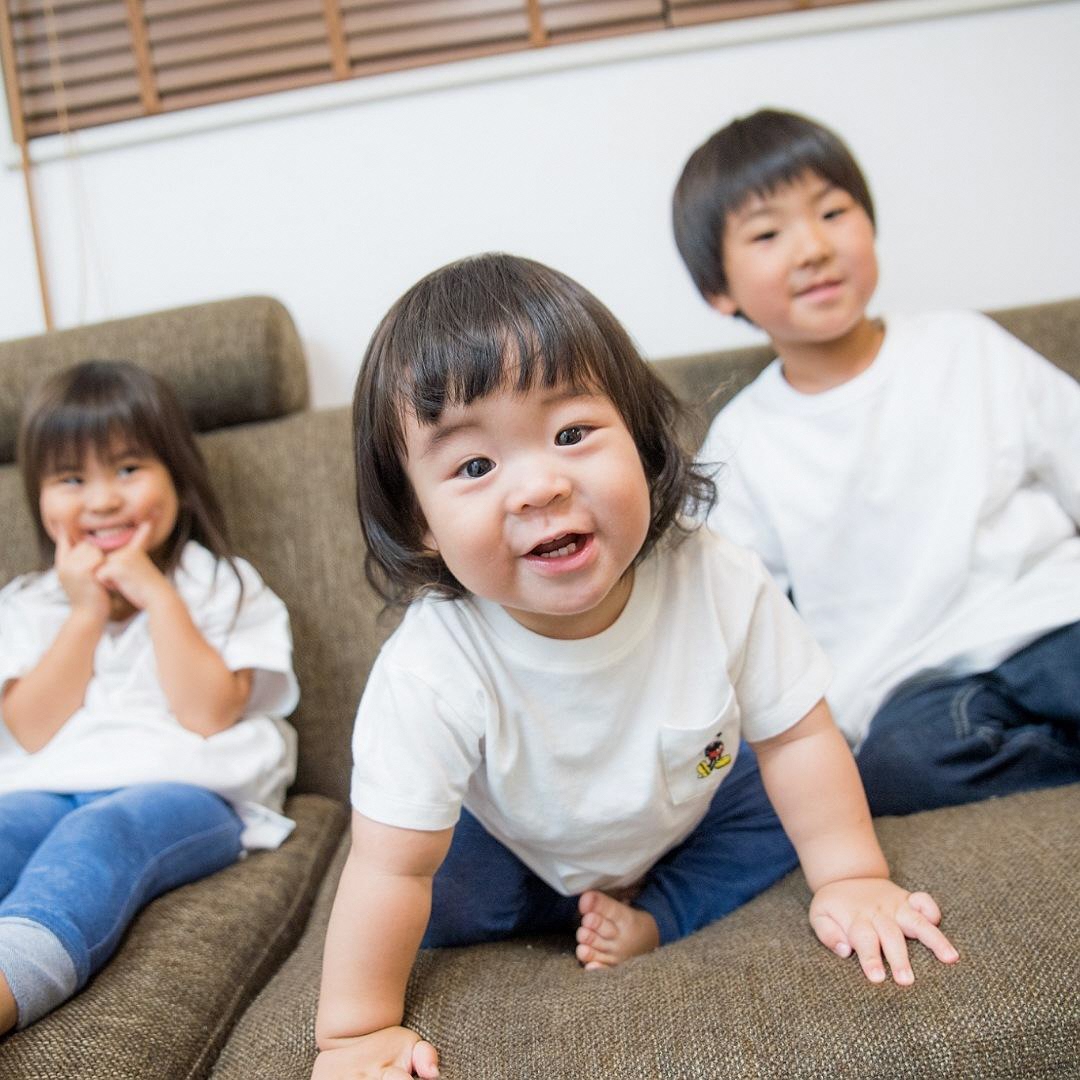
(125, 732)
(924, 513)
(590, 758)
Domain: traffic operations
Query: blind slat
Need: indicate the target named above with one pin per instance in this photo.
(219, 46)
(241, 68)
(233, 18)
(430, 37)
(103, 15)
(73, 72)
(568, 16)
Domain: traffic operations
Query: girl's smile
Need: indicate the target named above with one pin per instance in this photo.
(537, 501)
(104, 499)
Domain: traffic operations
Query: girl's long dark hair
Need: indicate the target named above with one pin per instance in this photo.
(92, 406)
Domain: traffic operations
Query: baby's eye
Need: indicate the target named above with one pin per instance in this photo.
(761, 237)
(69, 478)
(835, 212)
(127, 468)
(476, 467)
(570, 436)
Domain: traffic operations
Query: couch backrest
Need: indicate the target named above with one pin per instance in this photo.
(709, 380)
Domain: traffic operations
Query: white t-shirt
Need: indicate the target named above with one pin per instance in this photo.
(591, 758)
(923, 514)
(125, 733)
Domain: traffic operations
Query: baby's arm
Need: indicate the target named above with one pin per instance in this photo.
(37, 705)
(812, 781)
(380, 913)
(204, 694)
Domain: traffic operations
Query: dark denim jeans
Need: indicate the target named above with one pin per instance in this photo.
(483, 892)
(943, 740)
(83, 865)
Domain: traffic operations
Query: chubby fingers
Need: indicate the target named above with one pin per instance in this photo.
(894, 946)
(926, 905)
(425, 1060)
(141, 536)
(867, 945)
(916, 924)
(831, 935)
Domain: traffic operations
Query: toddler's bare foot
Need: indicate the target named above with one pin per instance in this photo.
(611, 931)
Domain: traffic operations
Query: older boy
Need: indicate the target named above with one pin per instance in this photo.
(914, 483)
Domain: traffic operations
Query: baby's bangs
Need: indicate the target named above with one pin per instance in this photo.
(552, 344)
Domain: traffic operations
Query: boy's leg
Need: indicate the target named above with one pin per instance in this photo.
(737, 851)
(1044, 679)
(944, 740)
(91, 875)
(484, 892)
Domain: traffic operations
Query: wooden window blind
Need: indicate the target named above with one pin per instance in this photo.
(72, 64)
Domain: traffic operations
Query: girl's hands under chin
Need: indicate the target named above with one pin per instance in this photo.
(130, 572)
(77, 567)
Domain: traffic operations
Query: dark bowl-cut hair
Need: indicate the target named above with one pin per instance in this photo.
(94, 405)
(484, 324)
(753, 155)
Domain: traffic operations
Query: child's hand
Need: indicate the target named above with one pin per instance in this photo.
(394, 1053)
(873, 915)
(131, 572)
(77, 567)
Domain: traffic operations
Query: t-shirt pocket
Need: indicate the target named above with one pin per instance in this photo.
(697, 759)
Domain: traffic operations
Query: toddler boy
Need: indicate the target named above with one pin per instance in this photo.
(914, 483)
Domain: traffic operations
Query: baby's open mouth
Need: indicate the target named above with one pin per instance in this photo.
(563, 545)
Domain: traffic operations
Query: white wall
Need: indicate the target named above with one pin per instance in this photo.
(967, 126)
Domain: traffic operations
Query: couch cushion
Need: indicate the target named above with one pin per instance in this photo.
(231, 362)
(186, 969)
(287, 487)
(755, 995)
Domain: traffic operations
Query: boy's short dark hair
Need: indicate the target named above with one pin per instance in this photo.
(471, 328)
(753, 155)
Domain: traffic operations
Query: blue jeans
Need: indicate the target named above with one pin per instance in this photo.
(483, 892)
(943, 740)
(81, 866)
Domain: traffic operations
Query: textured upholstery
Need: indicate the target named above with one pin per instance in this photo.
(231, 362)
(755, 996)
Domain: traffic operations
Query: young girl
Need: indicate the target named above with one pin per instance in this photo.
(144, 681)
(554, 733)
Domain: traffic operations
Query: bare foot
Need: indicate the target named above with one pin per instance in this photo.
(611, 931)
(8, 1012)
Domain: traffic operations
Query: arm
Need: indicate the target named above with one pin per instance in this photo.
(855, 905)
(204, 695)
(38, 705)
(378, 920)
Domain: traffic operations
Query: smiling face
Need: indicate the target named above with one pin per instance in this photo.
(103, 498)
(800, 263)
(536, 500)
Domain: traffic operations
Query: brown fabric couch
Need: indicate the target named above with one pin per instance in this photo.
(220, 978)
